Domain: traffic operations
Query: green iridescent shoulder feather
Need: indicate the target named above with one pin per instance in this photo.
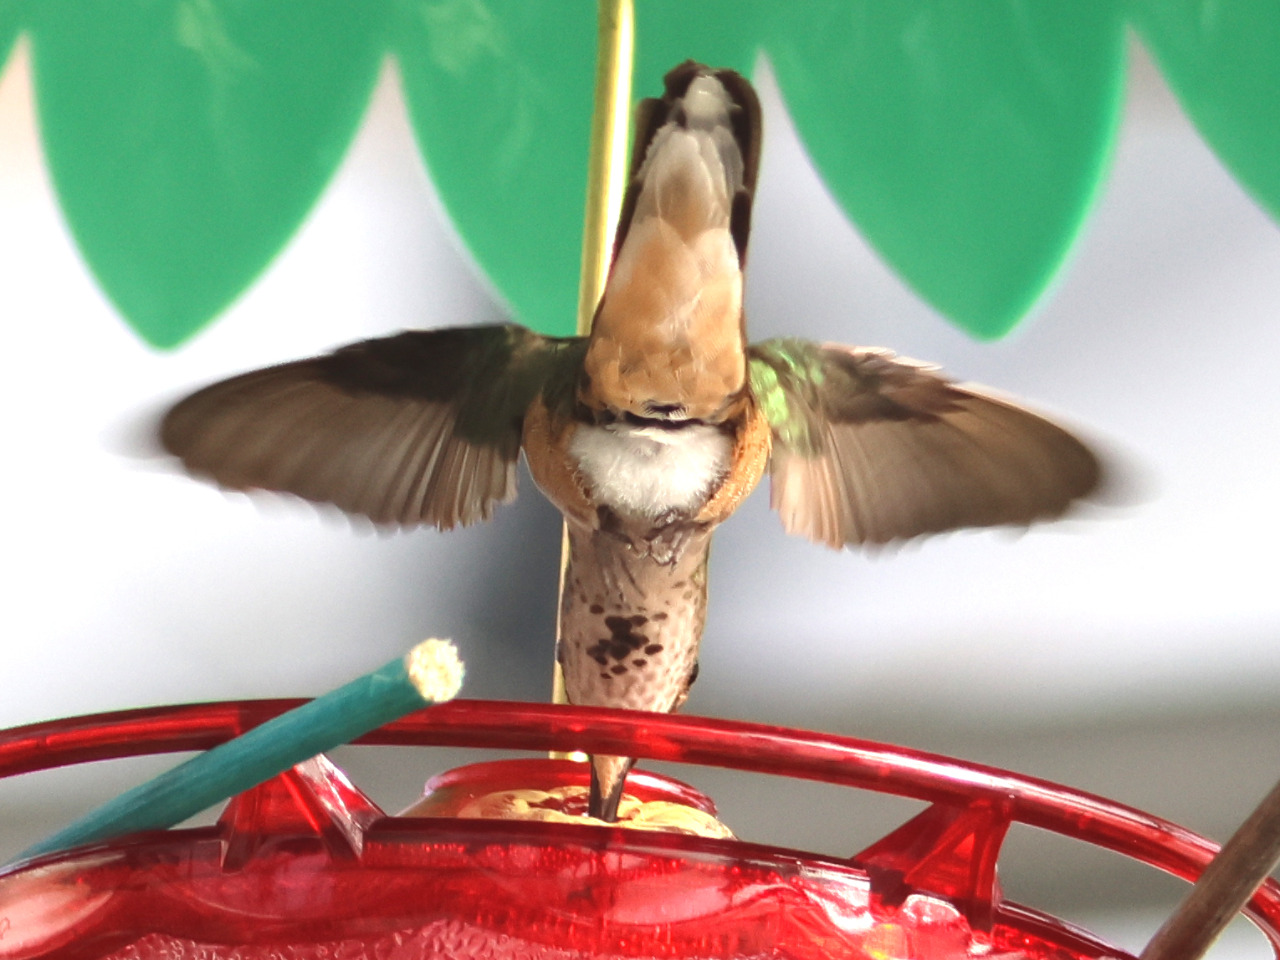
(786, 376)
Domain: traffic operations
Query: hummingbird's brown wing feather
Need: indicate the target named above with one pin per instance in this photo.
(421, 427)
(871, 448)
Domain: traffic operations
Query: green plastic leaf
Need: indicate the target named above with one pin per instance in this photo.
(500, 96)
(1223, 62)
(719, 33)
(188, 139)
(966, 138)
(12, 21)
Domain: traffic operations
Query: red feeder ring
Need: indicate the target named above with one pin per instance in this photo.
(305, 865)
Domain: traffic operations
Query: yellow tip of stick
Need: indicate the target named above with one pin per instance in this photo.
(435, 669)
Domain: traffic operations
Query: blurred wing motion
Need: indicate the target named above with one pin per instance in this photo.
(422, 427)
(870, 448)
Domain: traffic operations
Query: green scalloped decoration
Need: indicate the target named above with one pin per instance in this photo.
(966, 139)
(11, 24)
(499, 94)
(188, 139)
(721, 33)
(1223, 62)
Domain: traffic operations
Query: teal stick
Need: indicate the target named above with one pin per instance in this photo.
(430, 673)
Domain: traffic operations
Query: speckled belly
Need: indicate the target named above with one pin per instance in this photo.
(631, 624)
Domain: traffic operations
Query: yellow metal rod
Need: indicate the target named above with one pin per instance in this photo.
(606, 180)
(607, 160)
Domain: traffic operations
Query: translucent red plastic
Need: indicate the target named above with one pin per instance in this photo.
(307, 866)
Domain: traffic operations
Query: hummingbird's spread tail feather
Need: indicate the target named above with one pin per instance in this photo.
(668, 339)
(717, 105)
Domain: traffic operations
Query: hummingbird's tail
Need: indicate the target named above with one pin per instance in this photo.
(696, 155)
(668, 341)
(608, 777)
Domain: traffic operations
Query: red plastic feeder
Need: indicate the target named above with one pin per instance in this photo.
(306, 865)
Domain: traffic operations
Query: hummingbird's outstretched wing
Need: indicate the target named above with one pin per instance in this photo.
(421, 427)
(870, 448)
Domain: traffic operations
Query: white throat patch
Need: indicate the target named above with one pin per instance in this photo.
(648, 471)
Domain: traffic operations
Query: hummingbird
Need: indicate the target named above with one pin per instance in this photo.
(647, 433)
